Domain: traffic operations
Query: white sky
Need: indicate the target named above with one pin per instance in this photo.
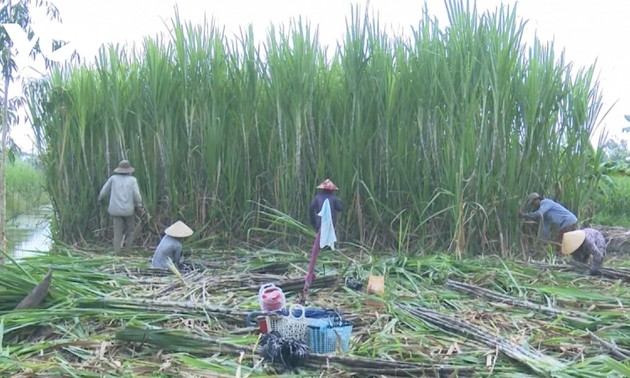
(587, 30)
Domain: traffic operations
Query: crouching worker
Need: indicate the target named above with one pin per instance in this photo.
(550, 212)
(170, 247)
(582, 244)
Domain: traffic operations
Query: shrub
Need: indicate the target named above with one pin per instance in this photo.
(25, 188)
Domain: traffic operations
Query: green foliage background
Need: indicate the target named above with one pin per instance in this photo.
(434, 140)
(25, 188)
(613, 202)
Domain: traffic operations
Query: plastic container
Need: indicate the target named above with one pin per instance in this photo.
(291, 326)
(262, 324)
(267, 321)
(325, 338)
(272, 321)
(271, 298)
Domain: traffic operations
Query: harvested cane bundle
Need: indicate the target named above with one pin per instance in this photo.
(288, 352)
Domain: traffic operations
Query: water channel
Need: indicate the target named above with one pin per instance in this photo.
(29, 234)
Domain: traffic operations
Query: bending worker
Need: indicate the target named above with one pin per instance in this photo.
(585, 244)
(170, 247)
(550, 212)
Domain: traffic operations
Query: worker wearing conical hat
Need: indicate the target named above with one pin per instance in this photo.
(327, 191)
(584, 244)
(124, 200)
(170, 247)
(323, 215)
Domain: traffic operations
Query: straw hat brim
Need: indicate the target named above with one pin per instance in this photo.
(124, 170)
(571, 241)
(178, 230)
(327, 185)
(531, 197)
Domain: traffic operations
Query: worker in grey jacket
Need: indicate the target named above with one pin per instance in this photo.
(124, 198)
(170, 247)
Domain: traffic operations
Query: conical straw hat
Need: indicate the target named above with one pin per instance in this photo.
(327, 185)
(572, 241)
(178, 230)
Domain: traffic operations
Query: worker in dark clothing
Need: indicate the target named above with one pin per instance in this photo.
(323, 215)
(327, 192)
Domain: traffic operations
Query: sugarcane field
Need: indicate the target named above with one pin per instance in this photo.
(216, 205)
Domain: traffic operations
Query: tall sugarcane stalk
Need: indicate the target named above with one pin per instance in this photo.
(445, 130)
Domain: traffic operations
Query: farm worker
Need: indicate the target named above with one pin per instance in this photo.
(170, 247)
(124, 198)
(584, 244)
(323, 214)
(327, 192)
(550, 212)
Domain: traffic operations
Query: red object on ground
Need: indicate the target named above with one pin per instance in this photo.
(262, 324)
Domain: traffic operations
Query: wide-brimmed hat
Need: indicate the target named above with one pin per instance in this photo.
(531, 197)
(572, 241)
(124, 167)
(327, 185)
(178, 229)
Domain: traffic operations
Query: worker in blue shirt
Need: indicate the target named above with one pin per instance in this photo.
(550, 212)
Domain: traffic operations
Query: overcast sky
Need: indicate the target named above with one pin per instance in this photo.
(587, 30)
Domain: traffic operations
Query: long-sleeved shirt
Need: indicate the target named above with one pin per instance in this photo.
(316, 205)
(552, 212)
(169, 248)
(594, 246)
(124, 195)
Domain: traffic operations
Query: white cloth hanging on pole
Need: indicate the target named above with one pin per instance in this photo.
(327, 228)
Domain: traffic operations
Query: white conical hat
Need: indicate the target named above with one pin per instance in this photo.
(572, 241)
(178, 229)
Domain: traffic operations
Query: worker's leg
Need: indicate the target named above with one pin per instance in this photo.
(177, 256)
(130, 230)
(598, 259)
(580, 255)
(119, 226)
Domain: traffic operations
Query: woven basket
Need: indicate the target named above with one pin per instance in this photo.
(292, 326)
(329, 338)
(272, 322)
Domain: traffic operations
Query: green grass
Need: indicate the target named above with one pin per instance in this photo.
(612, 206)
(25, 188)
